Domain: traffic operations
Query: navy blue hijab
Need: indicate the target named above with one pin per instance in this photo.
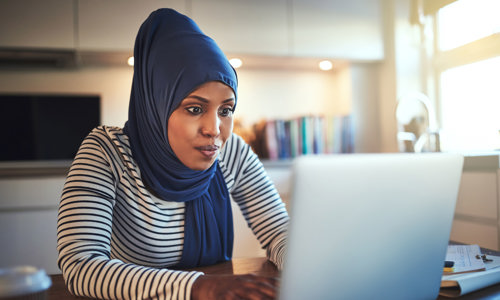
(172, 58)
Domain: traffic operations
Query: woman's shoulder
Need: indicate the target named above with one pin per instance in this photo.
(111, 137)
(105, 133)
(113, 144)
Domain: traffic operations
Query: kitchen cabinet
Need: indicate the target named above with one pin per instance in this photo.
(37, 24)
(337, 29)
(245, 242)
(298, 28)
(112, 25)
(28, 221)
(257, 27)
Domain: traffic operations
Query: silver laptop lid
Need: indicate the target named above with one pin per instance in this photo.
(370, 226)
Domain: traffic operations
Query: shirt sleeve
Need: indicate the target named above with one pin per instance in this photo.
(254, 192)
(84, 233)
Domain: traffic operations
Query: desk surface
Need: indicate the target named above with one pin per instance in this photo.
(260, 266)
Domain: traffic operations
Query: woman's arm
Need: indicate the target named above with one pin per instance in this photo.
(85, 234)
(256, 196)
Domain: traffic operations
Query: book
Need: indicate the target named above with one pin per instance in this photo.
(281, 138)
(307, 135)
(271, 140)
(347, 135)
(461, 283)
(329, 135)
(337, 134)
(295, 148)
(317, 131)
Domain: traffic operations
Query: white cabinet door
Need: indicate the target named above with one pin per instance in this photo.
(477, 197)
(245, 242)
(112, 25)
(37, 24)
(257, 27)
(476, 213)
(28, 221)
(337, 29)
(29, 237)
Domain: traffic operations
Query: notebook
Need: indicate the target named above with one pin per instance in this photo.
(370, 226)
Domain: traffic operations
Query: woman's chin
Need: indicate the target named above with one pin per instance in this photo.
(201, 165)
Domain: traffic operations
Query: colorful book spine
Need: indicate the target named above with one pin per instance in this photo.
(295, 148)
(347, 135)
(286, 139)
(271, 140)
(337, 134)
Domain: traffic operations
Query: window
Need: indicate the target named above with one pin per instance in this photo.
(465, 21)
(470, 105)
(466, 60)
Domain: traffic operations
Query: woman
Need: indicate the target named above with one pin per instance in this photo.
(141, 202)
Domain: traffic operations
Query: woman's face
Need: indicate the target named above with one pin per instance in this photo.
(202, 123)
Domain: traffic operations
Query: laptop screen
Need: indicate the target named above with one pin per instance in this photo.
(370, 226)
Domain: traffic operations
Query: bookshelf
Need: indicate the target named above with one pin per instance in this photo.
(285, 139)
(19, 169)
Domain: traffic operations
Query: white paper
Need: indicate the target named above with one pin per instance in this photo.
(466, 258)
(459, 284)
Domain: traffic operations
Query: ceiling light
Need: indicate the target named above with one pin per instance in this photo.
(130, 61)
(235, 62)
(325, 65)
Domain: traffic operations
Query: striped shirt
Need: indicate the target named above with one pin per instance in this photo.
(116, 240)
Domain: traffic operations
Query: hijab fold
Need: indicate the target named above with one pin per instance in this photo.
(172, 58)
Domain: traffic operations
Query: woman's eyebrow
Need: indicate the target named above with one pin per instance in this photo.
(206, 100)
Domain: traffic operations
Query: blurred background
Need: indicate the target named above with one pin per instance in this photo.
(362, 76)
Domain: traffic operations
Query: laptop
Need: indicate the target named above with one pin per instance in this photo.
(370, 226)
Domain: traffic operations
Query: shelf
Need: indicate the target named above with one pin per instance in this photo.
(280, 163)
(17, 169)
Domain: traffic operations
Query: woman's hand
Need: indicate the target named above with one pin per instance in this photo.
(230, 287)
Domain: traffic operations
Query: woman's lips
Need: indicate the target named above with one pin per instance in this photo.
(208, 150)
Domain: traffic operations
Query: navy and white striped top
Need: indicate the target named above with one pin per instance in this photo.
(116, 240)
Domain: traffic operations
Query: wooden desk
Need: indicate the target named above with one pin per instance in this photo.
(260, 266)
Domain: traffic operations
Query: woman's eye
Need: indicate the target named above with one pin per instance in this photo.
(226, 111)
(195, 110)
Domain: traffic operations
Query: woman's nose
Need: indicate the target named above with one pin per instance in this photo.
(211, 125)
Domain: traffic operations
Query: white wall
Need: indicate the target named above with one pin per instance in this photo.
(287, 93)
(366, 107)
(112, 84)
